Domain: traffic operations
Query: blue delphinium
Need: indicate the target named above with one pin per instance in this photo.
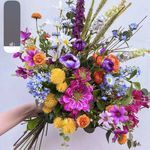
(35, 85)
(121, 87)
(128, 70)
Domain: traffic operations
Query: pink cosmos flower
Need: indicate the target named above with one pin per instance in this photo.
(119, 114)
(29, 58)
(106, 119)
(77, 97)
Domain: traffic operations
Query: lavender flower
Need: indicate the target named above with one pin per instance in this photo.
(70, 61)
(105, 119)
(79, 19)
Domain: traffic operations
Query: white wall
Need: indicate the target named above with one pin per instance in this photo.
(13, 90)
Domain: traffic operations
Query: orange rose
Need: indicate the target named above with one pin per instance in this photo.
(39, 58)
(122, 139)
(83, 121)
(115, 61)
(98, 77)
(99, 60)
(95, 56)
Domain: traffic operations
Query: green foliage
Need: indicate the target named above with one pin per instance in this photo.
(32, 124)
(137, 85)
(128, 99)
(90, 128)
(108, 133)
(88, 20)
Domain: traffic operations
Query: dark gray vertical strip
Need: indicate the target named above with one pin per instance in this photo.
(12, 23)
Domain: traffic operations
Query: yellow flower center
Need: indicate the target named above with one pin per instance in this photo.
(66, 42)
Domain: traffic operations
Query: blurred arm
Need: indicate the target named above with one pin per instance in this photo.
(11, 118)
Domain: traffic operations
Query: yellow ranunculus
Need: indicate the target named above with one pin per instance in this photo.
(57, 76)
(61, 87)
(58, 122)
(69, 126)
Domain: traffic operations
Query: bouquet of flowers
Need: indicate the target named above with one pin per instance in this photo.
(76, 77)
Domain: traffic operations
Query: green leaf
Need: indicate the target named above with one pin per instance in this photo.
(137, 85)
(129, 143)
(32, 124)
(100, 105)
(145, 91)
(133, 74)
(128, 99)
(108, 133)
(89, 129)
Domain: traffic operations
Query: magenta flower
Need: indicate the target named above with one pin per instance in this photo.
(23, 72)
(25, 35)
(82, 74)
(18, 55)
(29, 58)
(137, 94)
(77, 97)
(106, 119)
(118, 114)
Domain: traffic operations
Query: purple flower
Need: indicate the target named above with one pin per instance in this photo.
(107, 65)
(102, 51)
(82, 74)
(79, 19)
(118, 114)
(119, 132)
(79, 45)
(25, 35)
(23, 72)
(18, 54)
(77, 97)
(115, 33)
(29, 58)
(70, 61)
(105, 119)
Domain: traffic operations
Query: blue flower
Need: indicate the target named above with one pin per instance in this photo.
(115, 33)
(109, 80)
(104, 98)
(133, 26)
(36, 88)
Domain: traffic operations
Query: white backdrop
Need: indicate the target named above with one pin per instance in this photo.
(13, 90)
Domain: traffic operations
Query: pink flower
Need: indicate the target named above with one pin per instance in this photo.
(82, 74)
(106, 119)
(29, 58)
(77, 97)
(119, 114)
(137, 94)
